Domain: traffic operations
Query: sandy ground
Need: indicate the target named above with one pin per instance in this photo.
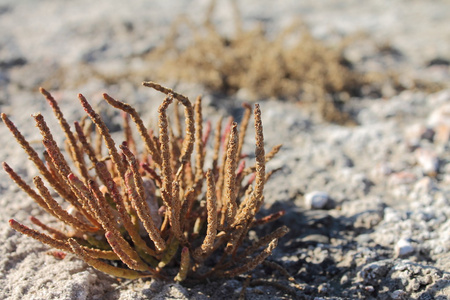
(384, 232)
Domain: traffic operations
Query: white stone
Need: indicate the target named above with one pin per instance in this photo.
(316, 199)
(404, 248)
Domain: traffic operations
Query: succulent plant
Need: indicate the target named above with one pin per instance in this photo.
(142, 213)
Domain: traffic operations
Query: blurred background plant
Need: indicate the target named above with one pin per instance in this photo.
(252, 60)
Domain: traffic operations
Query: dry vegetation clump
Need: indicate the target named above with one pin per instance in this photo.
(252, 61)
(292, 65)
(132, 213)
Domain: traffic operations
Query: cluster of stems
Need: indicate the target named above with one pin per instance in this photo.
(154, 209)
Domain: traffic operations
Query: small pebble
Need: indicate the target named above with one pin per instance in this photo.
(369, 289)
(404, 248)
(428, 160)
(344, 279)
(323, 288)
(316, 200)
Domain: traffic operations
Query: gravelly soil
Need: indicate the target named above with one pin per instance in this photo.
(383, 229)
